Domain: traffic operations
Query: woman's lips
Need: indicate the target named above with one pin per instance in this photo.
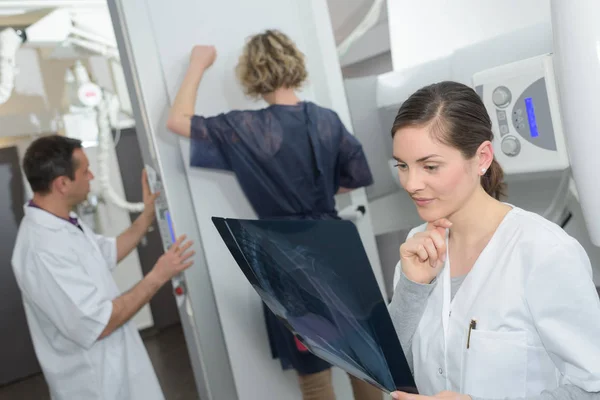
(422, 202)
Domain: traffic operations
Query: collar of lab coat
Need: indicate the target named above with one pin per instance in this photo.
(47, 219)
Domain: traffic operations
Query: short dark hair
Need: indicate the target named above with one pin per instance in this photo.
(48, 158)
(459, 119)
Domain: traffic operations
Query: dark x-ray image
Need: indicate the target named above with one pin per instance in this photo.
(316, 277)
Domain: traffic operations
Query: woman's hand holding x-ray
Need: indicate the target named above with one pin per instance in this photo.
(424, 254)
(439, 396)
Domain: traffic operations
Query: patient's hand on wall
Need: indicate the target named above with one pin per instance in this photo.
(203, 56)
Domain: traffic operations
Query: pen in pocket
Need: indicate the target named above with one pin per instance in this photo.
(472, 326)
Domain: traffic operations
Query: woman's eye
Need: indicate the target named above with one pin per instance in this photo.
(431, 167)
(400, 166)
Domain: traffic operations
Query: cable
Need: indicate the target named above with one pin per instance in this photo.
(117, 135)
(104, 143)
(566, 219)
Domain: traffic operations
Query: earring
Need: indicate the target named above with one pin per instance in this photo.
(483, 171)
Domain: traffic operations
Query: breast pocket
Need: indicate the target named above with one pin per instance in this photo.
(495, 365)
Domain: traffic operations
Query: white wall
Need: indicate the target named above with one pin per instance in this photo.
(426, 30)
(34, 108)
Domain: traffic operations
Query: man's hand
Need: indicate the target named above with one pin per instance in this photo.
(439, 396)
(149, 198)
(174, 261)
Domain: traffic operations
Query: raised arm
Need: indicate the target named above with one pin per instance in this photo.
(182, 110)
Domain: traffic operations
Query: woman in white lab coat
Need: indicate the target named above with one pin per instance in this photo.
(491, 301)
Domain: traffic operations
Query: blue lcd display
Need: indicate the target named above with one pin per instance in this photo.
(533, 128)
(171, 231)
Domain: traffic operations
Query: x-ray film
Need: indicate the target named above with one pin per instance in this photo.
(316, 277)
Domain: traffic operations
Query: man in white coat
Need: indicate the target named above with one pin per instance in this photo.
(80, 323)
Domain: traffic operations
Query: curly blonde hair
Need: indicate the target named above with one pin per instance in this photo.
(270, 61)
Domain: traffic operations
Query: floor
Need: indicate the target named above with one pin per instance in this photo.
(169, 356)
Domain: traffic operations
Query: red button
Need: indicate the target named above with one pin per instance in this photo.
(179, 290)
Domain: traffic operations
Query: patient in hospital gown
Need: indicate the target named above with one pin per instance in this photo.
(290, 158)
(290, 162)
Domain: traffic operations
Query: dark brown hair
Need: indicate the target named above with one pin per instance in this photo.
(457, 118)
(48, 158)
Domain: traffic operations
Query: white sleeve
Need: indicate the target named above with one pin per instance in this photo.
(108, 248)
(397, 274)
(69, 298)
(565, 308)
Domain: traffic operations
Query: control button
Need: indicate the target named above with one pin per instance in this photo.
(501, 115)
(501, 96)
(519, 120)
(521, 126)
(511, 146)
(519, 112)
(504, 129)
(179, 290)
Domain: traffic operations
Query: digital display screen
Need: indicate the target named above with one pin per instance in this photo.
(170, 223)
(533, 127)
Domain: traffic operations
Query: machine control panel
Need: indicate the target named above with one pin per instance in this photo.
(511, 146)
(165, 226)
(521, 99)
(501, 97)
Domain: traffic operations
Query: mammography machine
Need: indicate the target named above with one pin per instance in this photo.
(541, 93)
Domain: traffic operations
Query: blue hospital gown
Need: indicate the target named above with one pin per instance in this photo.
(290, 161)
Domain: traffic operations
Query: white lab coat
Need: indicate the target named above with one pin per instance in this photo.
(537, 312)
(65, 278)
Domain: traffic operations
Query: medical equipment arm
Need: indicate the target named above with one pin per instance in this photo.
(10, 42)
(55, 28)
